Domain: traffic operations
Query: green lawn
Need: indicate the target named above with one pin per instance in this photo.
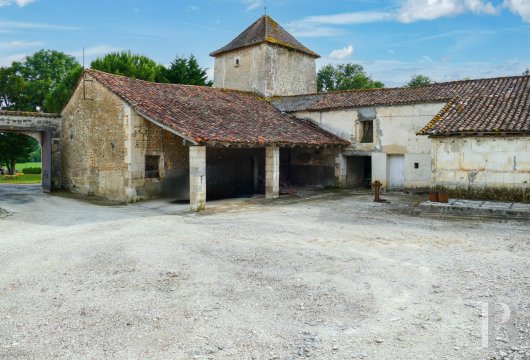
(19, 167)
(22, 178)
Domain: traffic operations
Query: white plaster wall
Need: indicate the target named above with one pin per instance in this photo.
(395, 129)
(267, 70)
(481, 162)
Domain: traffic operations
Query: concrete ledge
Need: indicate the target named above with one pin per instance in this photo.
(506, 210)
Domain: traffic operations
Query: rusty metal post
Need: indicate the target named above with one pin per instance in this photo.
(376, 189)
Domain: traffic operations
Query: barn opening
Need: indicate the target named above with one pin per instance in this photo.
(234, 172)
(359, 171)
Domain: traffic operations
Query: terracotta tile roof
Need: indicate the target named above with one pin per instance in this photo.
(28, 114)
(208, 115)
(265, 29)
(441, 92)
(474, 106)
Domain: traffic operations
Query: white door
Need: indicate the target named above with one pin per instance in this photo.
(396, 172)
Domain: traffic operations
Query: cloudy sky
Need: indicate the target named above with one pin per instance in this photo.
(443, 39)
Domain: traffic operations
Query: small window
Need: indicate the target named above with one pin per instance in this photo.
(151, 167)
(416, 165)
(367, 131)
(237, 62)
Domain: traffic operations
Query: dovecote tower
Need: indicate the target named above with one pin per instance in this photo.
(266, 60)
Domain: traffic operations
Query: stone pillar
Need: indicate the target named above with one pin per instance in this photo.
(272, 172)
(341, 169)
(197, 178)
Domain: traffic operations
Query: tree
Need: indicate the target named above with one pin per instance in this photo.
(131, 65)
(26, 84)
(345, 77)
(187, 71)
(420, 80)
(526, 72)
(14, 148)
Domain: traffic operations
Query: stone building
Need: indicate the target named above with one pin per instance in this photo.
(131, 140)
(263, 126)
(267, 60)
(478, 130)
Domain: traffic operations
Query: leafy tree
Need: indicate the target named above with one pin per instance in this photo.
(131, 65)
(15, 148)
(526, 72)
(345, 77)
(26, 84)
(187, 71)
(419, 80)
(56, 99)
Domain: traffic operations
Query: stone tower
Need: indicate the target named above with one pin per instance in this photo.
(266, 60)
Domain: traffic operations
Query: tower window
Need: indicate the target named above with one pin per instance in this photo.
(237, 62)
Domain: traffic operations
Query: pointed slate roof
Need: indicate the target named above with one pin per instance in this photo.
(265, 30)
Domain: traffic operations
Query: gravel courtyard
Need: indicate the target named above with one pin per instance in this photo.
(333, 276)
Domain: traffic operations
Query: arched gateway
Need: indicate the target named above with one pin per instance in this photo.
(47, 129)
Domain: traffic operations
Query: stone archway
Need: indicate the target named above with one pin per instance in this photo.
(45, 128)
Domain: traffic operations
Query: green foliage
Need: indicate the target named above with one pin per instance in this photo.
(14, 148)
(420, 80)
(187, 71)
(345, 77)
(131, 65)
(26, 85)
(526, 72)
(32, 170)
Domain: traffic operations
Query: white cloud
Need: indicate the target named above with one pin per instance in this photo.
(252, 4)
(94, 51)
(20, 3)
(11, 45)
(192, 8)
(9, 25)
(414, 10)
(519, 7)
(342, 54)
(9, 59)
(360, 17)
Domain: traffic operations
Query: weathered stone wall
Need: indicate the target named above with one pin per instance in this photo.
(149, 139)
(105, 143)
(267, 70)
(35, 126)
(395, 129)
(481, 162)
(93, 157)
(309, 166)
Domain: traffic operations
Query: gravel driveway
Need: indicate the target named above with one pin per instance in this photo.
(334, 276)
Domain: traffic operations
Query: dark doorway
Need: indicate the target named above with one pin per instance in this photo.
(234, 173)
(359, 172)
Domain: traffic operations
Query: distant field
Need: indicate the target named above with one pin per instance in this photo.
(22, 178)
(19, 167)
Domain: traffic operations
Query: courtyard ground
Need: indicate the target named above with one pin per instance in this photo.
(329, 276)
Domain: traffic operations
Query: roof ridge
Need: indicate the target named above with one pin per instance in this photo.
(406, 87)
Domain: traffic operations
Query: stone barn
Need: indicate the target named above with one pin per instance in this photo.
(131, 140)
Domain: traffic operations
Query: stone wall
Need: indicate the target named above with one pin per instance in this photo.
(104, 147)
(267, 70)
(308, 166)
(394, 133)
(481, 162)
(93, 157)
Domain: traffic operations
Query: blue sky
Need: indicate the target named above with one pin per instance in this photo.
(443, 39)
